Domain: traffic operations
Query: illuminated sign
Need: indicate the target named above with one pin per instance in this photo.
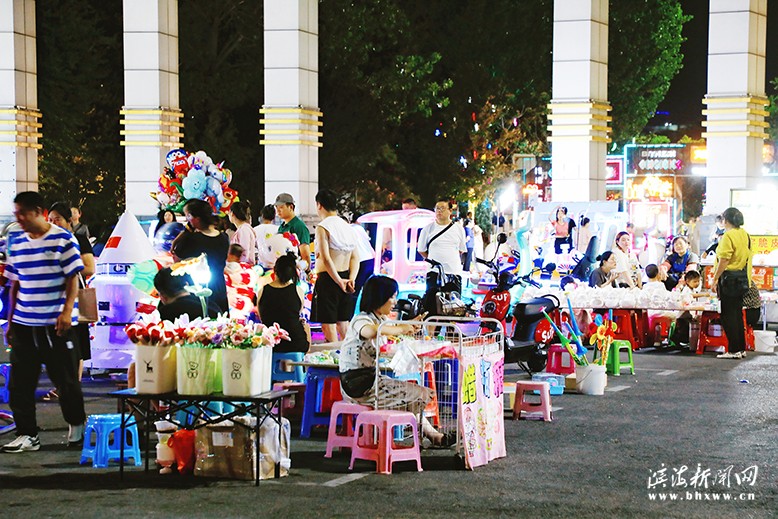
(657, 159)
(613, 175)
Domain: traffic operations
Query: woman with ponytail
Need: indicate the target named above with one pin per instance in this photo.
(280, 302)
(240, 216)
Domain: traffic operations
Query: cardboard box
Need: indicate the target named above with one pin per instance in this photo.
(570, 382)
(227, 451)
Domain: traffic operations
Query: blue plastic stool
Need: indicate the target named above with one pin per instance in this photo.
(190, 414)
(107, 440)
(280, 375)
(5, 372)
(447, 383)
(314, 385)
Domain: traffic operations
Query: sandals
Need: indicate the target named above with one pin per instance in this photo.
(51, 396)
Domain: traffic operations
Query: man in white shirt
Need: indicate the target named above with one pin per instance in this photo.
(443, 241)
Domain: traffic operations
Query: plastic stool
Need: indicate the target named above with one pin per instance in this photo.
(279, 374)
(615, 365)
(293, 405)
(384, 453)
(315, 383)
(556, 356)
(523, 387)
(5, 372)
(664, 324)
(349, 411)
(107, 445)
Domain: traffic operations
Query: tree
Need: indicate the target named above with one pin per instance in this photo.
(772, 109)
(79, 93)
(644, 55)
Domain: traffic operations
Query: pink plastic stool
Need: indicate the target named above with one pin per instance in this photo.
(520, 404)
(349, 411)
(556, 356)
(384, 453)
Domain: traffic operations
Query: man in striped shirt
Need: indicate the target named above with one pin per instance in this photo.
(42, 266)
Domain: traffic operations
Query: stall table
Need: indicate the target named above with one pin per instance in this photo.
(142, 413)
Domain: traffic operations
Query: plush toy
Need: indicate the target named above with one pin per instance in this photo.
(194, 175)
(273, 247)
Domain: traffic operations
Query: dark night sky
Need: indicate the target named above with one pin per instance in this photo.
(684, 100)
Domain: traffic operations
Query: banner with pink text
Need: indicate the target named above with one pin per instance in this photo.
(481, 420)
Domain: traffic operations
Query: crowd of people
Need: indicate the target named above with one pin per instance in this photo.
(51, 258)
(679, 271)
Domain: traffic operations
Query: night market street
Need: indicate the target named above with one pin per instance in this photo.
(596, 459)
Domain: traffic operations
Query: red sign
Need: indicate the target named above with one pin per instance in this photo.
(613, 169)
(113, 242)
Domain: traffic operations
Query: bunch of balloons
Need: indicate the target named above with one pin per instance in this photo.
(194, 175)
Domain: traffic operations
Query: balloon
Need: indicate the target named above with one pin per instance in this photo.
(165, 234)
(175, 159)
(141, 275)
(194, 184)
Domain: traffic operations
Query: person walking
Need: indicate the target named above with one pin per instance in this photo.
(337, 266)
(42, 266)
(58, 216)
(731, 281)
(201, 236)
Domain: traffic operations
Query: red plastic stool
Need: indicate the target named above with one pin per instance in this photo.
(556, 357)
(706, 339)
(384, 452)
(520, 404)
(349, 411)
(626, 325)
(663, 323)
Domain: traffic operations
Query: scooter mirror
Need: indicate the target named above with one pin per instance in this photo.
(502, 238)
(550, 267)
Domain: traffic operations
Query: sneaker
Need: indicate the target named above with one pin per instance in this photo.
(22, 443)
(75, 433)
(729, 355)
(742, 354)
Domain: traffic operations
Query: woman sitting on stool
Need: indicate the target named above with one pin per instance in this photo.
(280, 302)
(359, 351)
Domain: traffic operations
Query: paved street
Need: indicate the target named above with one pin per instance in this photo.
(596, 459)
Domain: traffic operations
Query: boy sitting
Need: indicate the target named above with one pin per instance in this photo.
(690, 290)
(655, 284)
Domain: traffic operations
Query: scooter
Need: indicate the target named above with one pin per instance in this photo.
(526, 344)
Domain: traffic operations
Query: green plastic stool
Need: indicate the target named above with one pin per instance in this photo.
(614, 358)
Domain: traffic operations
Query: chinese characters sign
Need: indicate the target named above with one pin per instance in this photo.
(481, 419)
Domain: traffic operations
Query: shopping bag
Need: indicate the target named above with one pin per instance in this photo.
(87, 305)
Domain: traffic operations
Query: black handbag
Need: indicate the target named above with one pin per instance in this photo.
(357, 382)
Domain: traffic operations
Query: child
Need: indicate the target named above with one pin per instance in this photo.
(234, 253)
(692, 280)
(653, 286)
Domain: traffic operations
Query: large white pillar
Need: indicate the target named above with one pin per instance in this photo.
(579, 106)
(151, 115)
(736, 101)
(290, 114)
(19, 115)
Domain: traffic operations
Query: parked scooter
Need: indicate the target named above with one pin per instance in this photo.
(525, 345)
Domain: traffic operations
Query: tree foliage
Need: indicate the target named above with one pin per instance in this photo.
(79, 94)
(644, 55)
(400, 84)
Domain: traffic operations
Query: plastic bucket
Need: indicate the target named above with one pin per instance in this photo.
(591, 379)
(764, 341)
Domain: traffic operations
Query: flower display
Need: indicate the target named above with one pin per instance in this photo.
(207, 333)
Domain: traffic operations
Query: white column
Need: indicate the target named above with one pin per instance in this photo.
(19, 114)
(290, 114)
(151, 113)
(579, 118)
(736, 101)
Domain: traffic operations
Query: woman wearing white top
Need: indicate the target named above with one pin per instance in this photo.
(627, 265)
